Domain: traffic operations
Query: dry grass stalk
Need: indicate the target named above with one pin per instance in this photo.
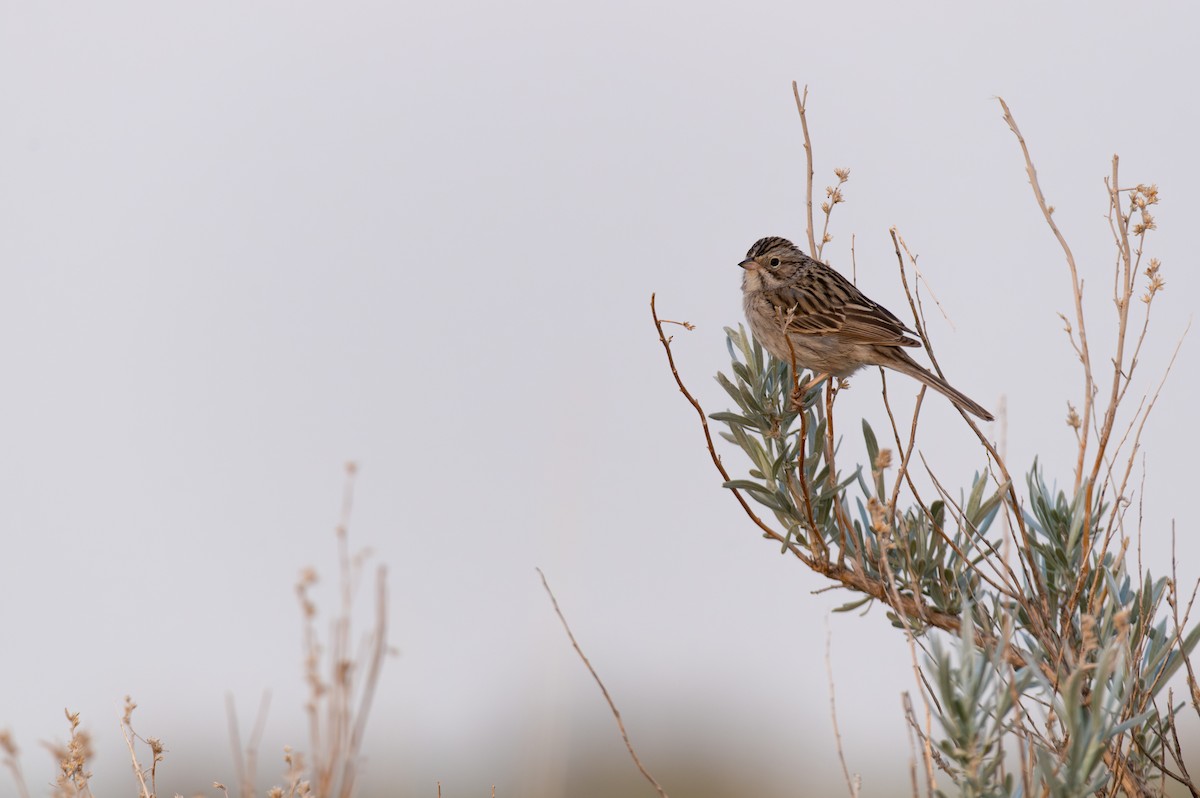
(341, 681)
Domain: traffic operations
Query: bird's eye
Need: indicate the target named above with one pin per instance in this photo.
(774, 261)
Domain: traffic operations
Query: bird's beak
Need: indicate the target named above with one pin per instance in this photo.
(749, 263)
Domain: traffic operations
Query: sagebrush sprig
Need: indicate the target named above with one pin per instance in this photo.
(1062, 656)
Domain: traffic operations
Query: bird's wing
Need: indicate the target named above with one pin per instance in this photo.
(825, 302)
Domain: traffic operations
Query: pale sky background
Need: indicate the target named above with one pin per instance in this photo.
(243, 243)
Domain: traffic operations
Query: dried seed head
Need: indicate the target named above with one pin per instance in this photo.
(1088, 640)
(879, 519)
(1156, 283)
(308, 577)
(843, 174)
(1073, 417)
(1147, 224)
(130, 706)
(883, 460)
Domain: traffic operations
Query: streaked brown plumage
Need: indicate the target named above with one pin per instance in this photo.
(833, 328)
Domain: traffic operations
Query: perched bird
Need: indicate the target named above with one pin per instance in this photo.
(804, 312)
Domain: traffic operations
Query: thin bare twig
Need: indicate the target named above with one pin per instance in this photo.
(144, 790)
(12, 761)
(1076, 289)
(853, 262)
(245, 760)
(801, 103)
(929, 756)
(603, 689)
(666, 342)
(851, 782)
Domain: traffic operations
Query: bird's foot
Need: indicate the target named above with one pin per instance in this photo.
(801, 391)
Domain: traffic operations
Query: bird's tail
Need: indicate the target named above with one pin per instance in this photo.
(913, 369)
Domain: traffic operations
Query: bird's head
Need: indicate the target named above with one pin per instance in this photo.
(772, 260)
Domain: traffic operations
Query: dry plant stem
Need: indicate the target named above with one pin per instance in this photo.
(1172, 733)
(1076, 289)
(816, 543)
(904, 476)
(1128, 263)
(906, 451)
(73, 773)
(1148, 301)
(927, 759)
(378, 648)
(837, 734)
(245, 760)
(603, 689)
(12, 761)
(1133, 784)
(1114, 759)
(1009, 589)
(928, 287)
(808, 153)
(1013, 505)
(927, 693)
(1023, 730)
(144, 790)
(1122, 302)
(853, 262)
(339, 705)
(244, 782)
(912, 762)
(1137, 437)
(1173, 599)
(666, 342)
(838, 510)
(1183, 777)
(834, 193)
